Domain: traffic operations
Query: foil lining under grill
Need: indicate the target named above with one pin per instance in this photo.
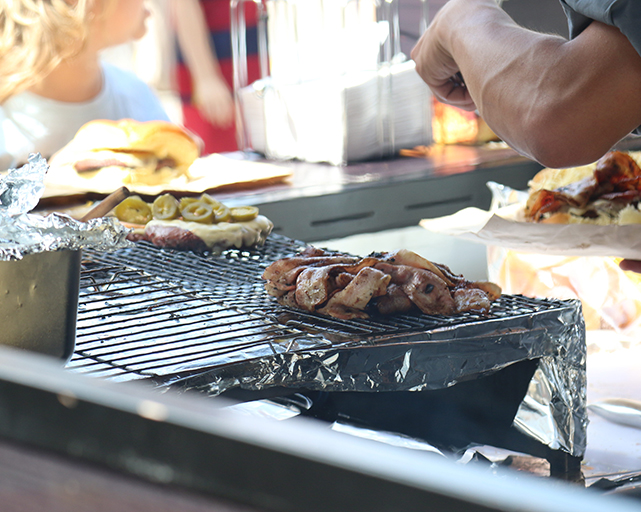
(205, 322)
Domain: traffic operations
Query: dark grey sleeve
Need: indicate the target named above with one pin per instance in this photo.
(623, 14)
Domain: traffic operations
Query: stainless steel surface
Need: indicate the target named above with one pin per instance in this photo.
(323, 201)
(194, 443)
(39, 302)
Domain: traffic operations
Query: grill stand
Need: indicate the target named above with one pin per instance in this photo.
(475, 412)
(204, 323)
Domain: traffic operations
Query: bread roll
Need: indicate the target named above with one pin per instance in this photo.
(108, 154)
(550, 179)
(164, 140)
(602, 193)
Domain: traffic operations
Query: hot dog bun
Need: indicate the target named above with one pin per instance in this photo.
(551, 179)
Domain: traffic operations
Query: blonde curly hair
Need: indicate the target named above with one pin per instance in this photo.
(36, 36)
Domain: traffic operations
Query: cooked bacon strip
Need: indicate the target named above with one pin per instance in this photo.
(625, 197)
(345, 287)
(405, 257)
(616, 172)
(394, 301)
(580, 192)
(314, 286)
(546, 201)
(430, 293)
(471, 299)
(343, 279)
(283, 273)
(492, 290)
(367, 284)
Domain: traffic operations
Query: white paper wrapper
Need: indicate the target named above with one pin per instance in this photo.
(501, 228)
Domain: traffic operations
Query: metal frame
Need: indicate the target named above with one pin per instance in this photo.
(195, 443)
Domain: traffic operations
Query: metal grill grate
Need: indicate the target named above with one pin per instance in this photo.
(148, 313)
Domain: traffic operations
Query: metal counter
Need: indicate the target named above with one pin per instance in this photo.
(322, 201)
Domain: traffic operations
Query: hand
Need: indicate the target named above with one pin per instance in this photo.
(435, 64)
(214, 101)
(631, 265)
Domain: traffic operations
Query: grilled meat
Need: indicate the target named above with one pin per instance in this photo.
(614, 184)
(345, 287)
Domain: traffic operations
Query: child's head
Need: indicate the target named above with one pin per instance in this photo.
(37, 35)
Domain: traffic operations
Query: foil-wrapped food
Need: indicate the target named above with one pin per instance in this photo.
(22, 232)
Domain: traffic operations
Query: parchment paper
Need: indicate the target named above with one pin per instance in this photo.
(500, 228)
(210, 173)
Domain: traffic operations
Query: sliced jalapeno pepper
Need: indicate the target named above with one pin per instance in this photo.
(221, 212)
(185, 201)
(165, 207)
(133, 210)
(199, 211)
(206, 198)
(244, 213)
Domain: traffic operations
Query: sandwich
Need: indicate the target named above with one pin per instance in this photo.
(605, 192)
(127, 152)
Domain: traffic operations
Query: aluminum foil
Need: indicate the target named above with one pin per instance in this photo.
(23, 233)
(553, 410)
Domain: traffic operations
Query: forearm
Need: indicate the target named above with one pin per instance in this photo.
(557, 101)
(193, 39)
(510, 72)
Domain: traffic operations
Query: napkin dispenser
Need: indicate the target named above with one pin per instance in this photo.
(335, 86)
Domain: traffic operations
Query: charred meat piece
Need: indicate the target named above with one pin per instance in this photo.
(430, 293)
(394, 301)
(617, 172)
(424, 288)
(546, 201)
(314, 286)
(471, 299)
(409, 258)
(350, 302)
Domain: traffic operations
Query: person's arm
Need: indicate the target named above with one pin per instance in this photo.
(630, 265)
(211, 93)
(560, 102)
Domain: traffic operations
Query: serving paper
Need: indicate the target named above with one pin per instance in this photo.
(503, 228)
(210, 173)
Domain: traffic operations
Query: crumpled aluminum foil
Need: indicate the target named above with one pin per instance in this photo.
(23, 233)
(554, 410)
